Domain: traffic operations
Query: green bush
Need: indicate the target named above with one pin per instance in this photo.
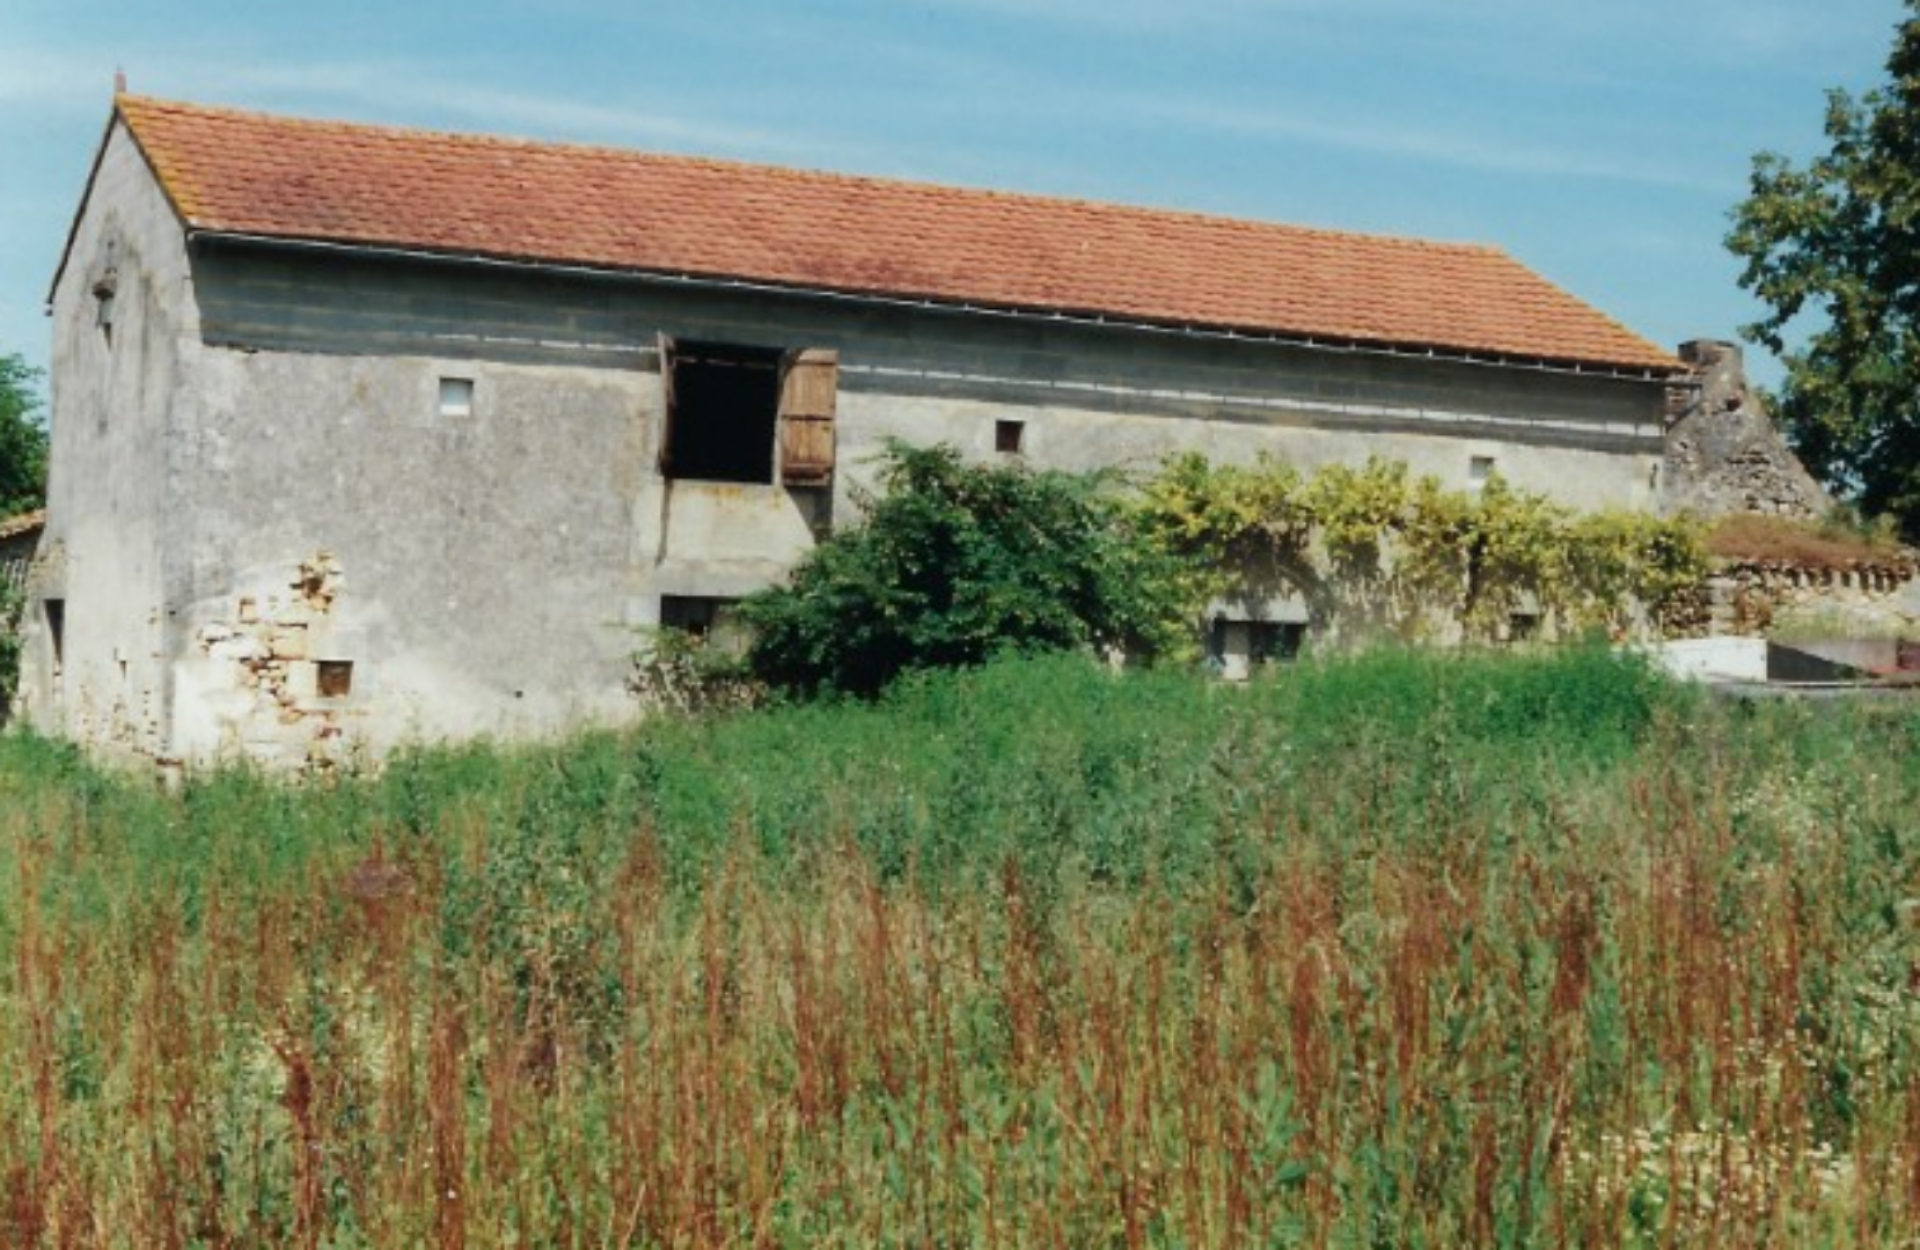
(955, 563)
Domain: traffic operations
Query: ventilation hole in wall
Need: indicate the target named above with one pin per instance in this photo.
(103, 297)
(1007, 436)
(334, 678)
(1479, 471)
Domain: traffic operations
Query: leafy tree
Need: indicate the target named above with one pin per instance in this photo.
(23, 439)
(1835, 247)
(954, 563)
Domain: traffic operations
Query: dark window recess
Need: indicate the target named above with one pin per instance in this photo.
(105, 288)
(103, 295)
(1523, 627)
(1007, 436)
(56, 610)
(723, 406)
(334, 678)
(709, 619)
(1266, 641)
(749, 414)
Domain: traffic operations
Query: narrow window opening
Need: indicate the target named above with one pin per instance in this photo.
(103, 296)
(333, 679)
(723, 407)
(708, 620)
(104, 290)
(1479, 471)
(1523, 627)
(1007, 436)
(456, 397)
(56, 611)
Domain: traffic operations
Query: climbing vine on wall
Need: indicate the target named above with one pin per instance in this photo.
(11, 604)
(1375, 547)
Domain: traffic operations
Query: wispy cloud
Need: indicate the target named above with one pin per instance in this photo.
(1142, 14)
(1398, 138)
(399, 90)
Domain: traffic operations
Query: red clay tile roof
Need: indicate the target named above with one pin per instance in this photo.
(247, 173)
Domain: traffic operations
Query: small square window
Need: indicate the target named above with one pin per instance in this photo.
(1479, 471)
(456, 397)
(333, 679)
(1007, 436)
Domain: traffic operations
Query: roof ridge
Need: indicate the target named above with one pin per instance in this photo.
(483, 140)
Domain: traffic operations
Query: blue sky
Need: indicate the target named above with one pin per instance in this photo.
(1602, 143)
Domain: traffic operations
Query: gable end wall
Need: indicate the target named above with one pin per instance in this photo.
(114, 534)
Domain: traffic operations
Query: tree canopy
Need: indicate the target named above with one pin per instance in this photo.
(23, 439)
(956, 562)
(1833, 250)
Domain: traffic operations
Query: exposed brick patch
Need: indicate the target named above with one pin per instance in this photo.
(270, 642)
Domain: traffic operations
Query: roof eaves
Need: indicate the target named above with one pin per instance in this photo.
(1638, 369)
(23, 523)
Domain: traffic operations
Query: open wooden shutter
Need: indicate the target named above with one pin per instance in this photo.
(809, 395)
(667, 413)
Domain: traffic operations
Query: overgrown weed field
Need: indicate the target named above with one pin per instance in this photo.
(1402, 950)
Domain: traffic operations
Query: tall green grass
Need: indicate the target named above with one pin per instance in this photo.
(1408, 949)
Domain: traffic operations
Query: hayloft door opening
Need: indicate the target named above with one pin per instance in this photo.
(723, 403)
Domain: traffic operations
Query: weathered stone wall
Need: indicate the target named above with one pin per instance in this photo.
(1724, 454)
(268, 682)
(1748, 598)
(501, 560)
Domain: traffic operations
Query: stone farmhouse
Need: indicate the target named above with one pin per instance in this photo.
(366, 434)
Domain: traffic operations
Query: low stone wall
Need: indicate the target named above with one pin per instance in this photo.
(1756, 597)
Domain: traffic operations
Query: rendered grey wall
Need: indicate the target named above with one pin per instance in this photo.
(495, 564)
